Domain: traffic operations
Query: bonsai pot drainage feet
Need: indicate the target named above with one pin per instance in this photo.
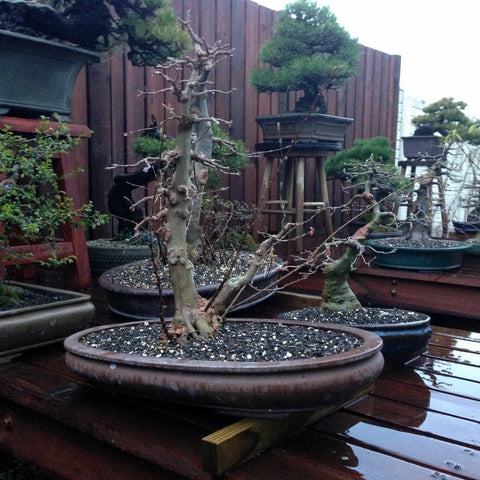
(247, 388)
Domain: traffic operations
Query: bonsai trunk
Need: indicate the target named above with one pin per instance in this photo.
(421, 222)
(190, 318)
(337, 295)
(203, 147)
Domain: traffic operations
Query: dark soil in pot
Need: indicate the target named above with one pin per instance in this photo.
(31, 298)
(237, 342)
(427, 244)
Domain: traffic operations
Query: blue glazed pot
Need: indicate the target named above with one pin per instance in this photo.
(402, 342)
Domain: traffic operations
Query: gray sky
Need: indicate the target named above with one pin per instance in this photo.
(437, 40)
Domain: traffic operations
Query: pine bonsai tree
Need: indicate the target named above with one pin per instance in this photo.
(309, 51)
(150, 27)
(446, 116)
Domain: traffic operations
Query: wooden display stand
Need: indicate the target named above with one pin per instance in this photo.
(408, 169)
(294, 202)
(74, 240)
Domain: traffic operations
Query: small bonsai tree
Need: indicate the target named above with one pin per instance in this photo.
(369, 166)
(33, 206)
(149, 28)
(444, 117)
(309, 51)
(447, 119)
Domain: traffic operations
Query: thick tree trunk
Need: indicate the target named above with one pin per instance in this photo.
(337, 295)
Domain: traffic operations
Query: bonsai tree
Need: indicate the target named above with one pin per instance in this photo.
(369, 166)
(445, 117)
(181, 175)
(309, 51)
(33, 205)
(149, 28)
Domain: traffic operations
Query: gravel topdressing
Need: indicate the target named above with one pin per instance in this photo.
(237, 342)
(363, 316)
(140, 274)
(429, 243)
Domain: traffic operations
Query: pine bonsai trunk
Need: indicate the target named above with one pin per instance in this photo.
(421, 221)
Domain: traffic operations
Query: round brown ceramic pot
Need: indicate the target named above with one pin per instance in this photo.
(135, 303)
(263, 389)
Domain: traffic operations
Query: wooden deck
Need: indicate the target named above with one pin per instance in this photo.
(420, 422)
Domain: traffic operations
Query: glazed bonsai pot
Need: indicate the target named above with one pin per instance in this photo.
(137, 303)
(26, 328)
(38, 76)
(466, 227)
(426, 259)
(105, 254)
(257, 389)
(402, 341)
(313, 130)
(422, 146)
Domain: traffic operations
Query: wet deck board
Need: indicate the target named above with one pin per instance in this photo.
(422, 421)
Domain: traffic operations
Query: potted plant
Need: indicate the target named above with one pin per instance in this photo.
(309, 52)
(200, 356)
(53, 40)
(417, 250)
(369, 167)
(405, 334)
(438, 120)
(32, 209)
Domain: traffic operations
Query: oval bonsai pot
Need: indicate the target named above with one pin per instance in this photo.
(424, 259)
(402, 342)
(257, 389)
(143, 303)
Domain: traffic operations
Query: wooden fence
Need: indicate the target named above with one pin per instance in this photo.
(107, 99)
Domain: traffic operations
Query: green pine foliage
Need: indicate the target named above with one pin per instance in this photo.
(309, 51)
(369, 164)
(445, 117)
(345, 162)
(149, 28)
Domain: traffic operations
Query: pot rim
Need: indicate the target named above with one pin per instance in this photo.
(425, 319)
(372, 343)
(456, 245)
